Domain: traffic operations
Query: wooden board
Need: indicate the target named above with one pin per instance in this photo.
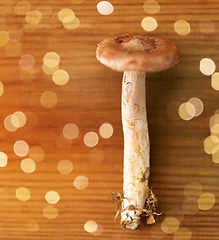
(91, 98)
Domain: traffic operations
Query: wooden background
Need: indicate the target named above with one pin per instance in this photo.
(91, 98)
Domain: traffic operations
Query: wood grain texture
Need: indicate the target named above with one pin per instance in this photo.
(93, 97)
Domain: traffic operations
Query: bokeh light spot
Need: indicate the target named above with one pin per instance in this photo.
(215, 81)
(32, 226)
(75, 23)
(27, 62)
(170, 225)
(21, 148)
(215, 157)
(4, 38)
(22, 7)
(21, 117)
(13, 48)
(213, 123)
(192, 190)
(182, 27)
(50, 66)
(207, 66)
(52, 55)
(48, 99)
(96, 155)
(149, 24)
(182, 234)
(66, 15)
(198, 104)
(28, 165)
(215, 128)
(60, 77)
(186, 111)
(91, 139)
(52, 197)
(15, 121)
(211, 144)
(98, 231)
(206, 201)
(23, 194)
(190, 206)
(70, 131)
(8, 124)
(36, 153)
(105, 8)
(151, 7)
(33, 17)
(106, 130)
(1, 89)
(90, 226)
(50, 212)
(3, 159)
(206, 26)
(65, 166)
(81, 182)
(51, 63)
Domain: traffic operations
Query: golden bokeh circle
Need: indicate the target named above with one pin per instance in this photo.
(81, 182)
(49, 99)
(149, 24)
(72, 25)
(33, 17)
(36, 153)
(4, 38)
(52, 197)
(170, 225)
(32, 226)
(23, 194)
(105, 8)
(28, 165)
(90, 226)
(206, 201)
(3, 159)
(60, 77)
(192, 190)
(22, 7)
(50, 212)
(91, 139)
(151, 7)
(65, 166)
(182, 27)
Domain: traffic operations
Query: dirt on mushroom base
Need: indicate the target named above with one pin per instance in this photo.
(149, 211)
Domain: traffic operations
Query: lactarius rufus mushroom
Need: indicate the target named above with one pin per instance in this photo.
(136, 55)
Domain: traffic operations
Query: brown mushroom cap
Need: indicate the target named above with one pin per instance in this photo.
(137, 53)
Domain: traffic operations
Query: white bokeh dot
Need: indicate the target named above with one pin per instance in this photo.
(105, 8)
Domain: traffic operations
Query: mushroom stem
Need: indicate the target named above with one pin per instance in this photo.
(136, 148)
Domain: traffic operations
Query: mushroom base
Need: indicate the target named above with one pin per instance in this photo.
(132, 217)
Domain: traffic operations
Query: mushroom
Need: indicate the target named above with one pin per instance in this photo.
(136, 55)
